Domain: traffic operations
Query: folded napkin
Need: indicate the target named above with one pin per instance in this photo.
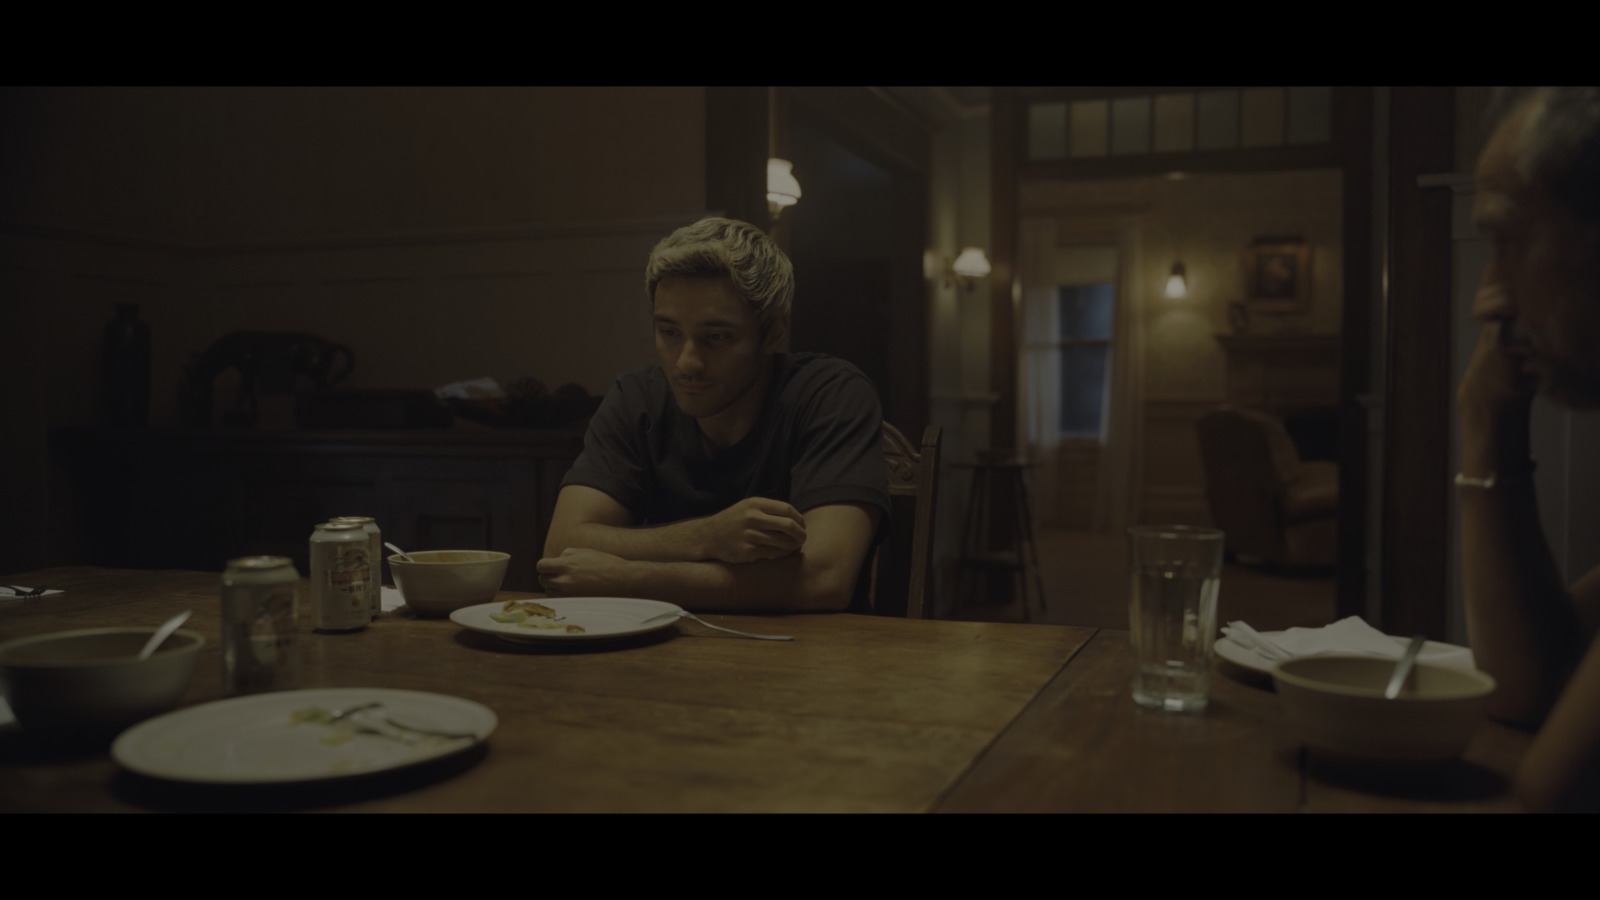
(12, 592)
(485, 388)
(391, 599)
(1350, 635)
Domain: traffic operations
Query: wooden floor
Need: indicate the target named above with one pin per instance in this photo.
(1086, 583)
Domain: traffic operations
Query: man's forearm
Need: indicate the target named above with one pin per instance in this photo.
(685, 541)
(790, 584)
(1520, 618)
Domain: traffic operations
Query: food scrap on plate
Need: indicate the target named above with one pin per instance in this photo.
(532, 614)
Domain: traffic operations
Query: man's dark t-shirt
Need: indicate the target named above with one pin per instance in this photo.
(818, 441)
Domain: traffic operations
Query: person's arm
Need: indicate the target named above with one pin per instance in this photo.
(755, 528)
(1523, 624)
(1561, 772)
(820, 576)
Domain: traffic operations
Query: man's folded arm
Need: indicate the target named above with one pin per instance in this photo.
(752, 529)
(589, 518)
(1561, 772)
(819, 576)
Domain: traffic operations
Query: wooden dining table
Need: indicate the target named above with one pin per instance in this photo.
(856, 714)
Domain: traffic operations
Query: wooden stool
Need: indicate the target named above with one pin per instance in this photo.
(997, 539)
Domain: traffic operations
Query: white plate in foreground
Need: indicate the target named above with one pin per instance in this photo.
(250, 739)
(1247, 657)
(599, 617)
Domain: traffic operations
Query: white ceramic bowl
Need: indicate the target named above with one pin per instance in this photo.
(1335, 705)
(439, 582)
(90, 683)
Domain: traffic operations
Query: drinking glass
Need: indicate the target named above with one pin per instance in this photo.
(1176, 571)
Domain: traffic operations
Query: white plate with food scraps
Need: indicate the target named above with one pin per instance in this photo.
(569, 618)
(284, 736)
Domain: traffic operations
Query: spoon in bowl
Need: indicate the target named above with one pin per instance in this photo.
(403, 555)
(1403, 667)
(164, 632)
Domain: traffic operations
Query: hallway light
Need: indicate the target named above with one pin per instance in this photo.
(967, 268)
(782, 189)
(971, 263)
(1177, 282)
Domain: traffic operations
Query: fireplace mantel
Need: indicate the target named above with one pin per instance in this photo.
(1281, 372)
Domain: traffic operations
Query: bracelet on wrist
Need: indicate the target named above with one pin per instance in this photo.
(1488, 482)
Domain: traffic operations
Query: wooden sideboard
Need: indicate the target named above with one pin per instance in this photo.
(195, 498)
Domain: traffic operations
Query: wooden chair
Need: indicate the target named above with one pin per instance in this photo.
(902, 568)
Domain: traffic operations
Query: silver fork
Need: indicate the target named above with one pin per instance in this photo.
(685, 614)
(389, 720)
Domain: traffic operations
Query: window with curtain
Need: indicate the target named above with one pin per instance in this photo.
(1084, 315)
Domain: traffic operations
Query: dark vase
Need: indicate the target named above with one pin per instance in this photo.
(127, 369)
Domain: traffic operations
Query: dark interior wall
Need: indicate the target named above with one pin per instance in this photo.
(446, 233)
(839, 242)
(857, 239)
(208, 164)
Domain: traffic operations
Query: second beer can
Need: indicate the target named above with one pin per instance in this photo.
(340, 571)
(374, 556)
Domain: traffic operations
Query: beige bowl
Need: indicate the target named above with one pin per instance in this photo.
(90, 683)
(439, 582)
(1335, 704)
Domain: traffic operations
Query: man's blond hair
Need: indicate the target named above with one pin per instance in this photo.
(713, 247)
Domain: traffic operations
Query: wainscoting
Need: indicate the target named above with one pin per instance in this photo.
(1174, 479)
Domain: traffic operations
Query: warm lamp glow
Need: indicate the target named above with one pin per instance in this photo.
(1177, 284)
(782, 188)
(966, 269)
(971, 263)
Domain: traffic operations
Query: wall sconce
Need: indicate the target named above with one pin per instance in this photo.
(967, 268)
(1177, 282)
(782, 189)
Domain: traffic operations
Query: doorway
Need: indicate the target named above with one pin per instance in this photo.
(856, 241)
(1078, 335)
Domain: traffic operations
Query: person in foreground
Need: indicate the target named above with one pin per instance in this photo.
(731, 476)
(1538, 201)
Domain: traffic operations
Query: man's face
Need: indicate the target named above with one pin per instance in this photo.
(1543, 281)
(711, 347)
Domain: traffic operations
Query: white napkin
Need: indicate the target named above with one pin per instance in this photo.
(391, 599)
(1349, 635)
(486, 388)
(8, 596)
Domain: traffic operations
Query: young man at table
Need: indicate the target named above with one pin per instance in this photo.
(1538, 200)
(731, 476)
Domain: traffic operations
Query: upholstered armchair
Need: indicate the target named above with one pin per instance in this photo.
(1276, 508)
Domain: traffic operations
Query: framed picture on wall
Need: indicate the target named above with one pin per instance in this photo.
(1277, 274)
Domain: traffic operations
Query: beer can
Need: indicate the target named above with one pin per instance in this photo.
(374, 555)
(260, 625)
(340, 571)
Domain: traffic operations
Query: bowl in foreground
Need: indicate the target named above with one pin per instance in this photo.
(1335, 705)
(90, 683)
(439, 582)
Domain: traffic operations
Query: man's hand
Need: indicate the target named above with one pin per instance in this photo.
(1496, 382)
(753, 529)
(581, 573)
(1495, 399)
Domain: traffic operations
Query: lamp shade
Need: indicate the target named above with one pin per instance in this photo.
(971, 263)
(782, 188)
(1177, 283)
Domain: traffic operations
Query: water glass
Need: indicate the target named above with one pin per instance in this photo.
(1176, 571)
